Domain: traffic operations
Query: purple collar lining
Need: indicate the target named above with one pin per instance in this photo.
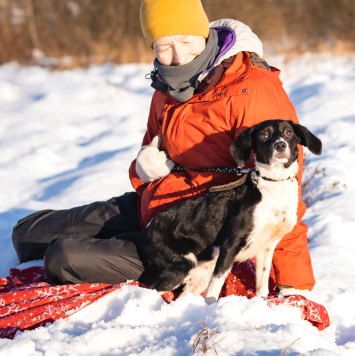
(227, 37)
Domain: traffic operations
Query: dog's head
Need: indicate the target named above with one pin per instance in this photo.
(273, 141)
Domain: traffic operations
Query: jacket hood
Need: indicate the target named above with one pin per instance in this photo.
(246, 39)
(234, 37)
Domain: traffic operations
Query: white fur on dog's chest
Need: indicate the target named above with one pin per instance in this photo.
(273, 217)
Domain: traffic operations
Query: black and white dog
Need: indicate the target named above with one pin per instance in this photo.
(193, 244)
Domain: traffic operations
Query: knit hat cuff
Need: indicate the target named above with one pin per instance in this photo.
(167, 28)
(161, 18)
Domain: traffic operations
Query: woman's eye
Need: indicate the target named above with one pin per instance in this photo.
(163, 49)
(264, 136)
(288, 133)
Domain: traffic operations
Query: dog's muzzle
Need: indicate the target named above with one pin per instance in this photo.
(280, 146)
(281, 150)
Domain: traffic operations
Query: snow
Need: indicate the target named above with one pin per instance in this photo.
(67, 138)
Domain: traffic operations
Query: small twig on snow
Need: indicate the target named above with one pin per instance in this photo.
(284, 352)
(205, 333)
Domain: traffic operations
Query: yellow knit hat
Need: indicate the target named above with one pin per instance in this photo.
(161, 18)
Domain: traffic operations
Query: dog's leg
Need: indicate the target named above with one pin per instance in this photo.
(223, 266)
(215, 286)
(263, 267)
(198, 278)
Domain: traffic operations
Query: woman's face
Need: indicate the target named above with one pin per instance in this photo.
(177, 50)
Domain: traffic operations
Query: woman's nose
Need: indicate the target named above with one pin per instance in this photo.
(178, 58)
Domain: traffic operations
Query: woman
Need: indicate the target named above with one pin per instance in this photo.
(211, 84)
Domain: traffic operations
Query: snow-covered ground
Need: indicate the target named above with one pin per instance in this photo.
(67, 138)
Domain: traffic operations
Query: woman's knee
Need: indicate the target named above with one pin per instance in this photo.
(28, 239)
(57, 261)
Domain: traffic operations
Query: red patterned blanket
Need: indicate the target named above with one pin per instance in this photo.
(28, 299)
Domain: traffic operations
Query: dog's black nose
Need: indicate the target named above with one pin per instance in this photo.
(280, 146)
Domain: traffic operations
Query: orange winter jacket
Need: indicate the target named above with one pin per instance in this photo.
(198, 133)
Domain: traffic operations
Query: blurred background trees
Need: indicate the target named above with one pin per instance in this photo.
(69, 33)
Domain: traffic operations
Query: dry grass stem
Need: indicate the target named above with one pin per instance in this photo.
(202, 337)
(285, 351)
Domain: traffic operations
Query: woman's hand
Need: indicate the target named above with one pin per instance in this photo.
(151, 163)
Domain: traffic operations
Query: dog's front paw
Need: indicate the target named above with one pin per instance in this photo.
(262, 292)
(210, 300)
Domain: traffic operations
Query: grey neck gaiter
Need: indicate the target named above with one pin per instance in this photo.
(181, 79)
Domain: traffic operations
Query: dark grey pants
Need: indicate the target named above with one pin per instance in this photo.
(81, 245)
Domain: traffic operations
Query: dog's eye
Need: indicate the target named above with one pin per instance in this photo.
(288, 133)
(264, 136)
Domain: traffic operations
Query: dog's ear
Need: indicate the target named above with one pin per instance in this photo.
(240, 148)
(306, 138)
